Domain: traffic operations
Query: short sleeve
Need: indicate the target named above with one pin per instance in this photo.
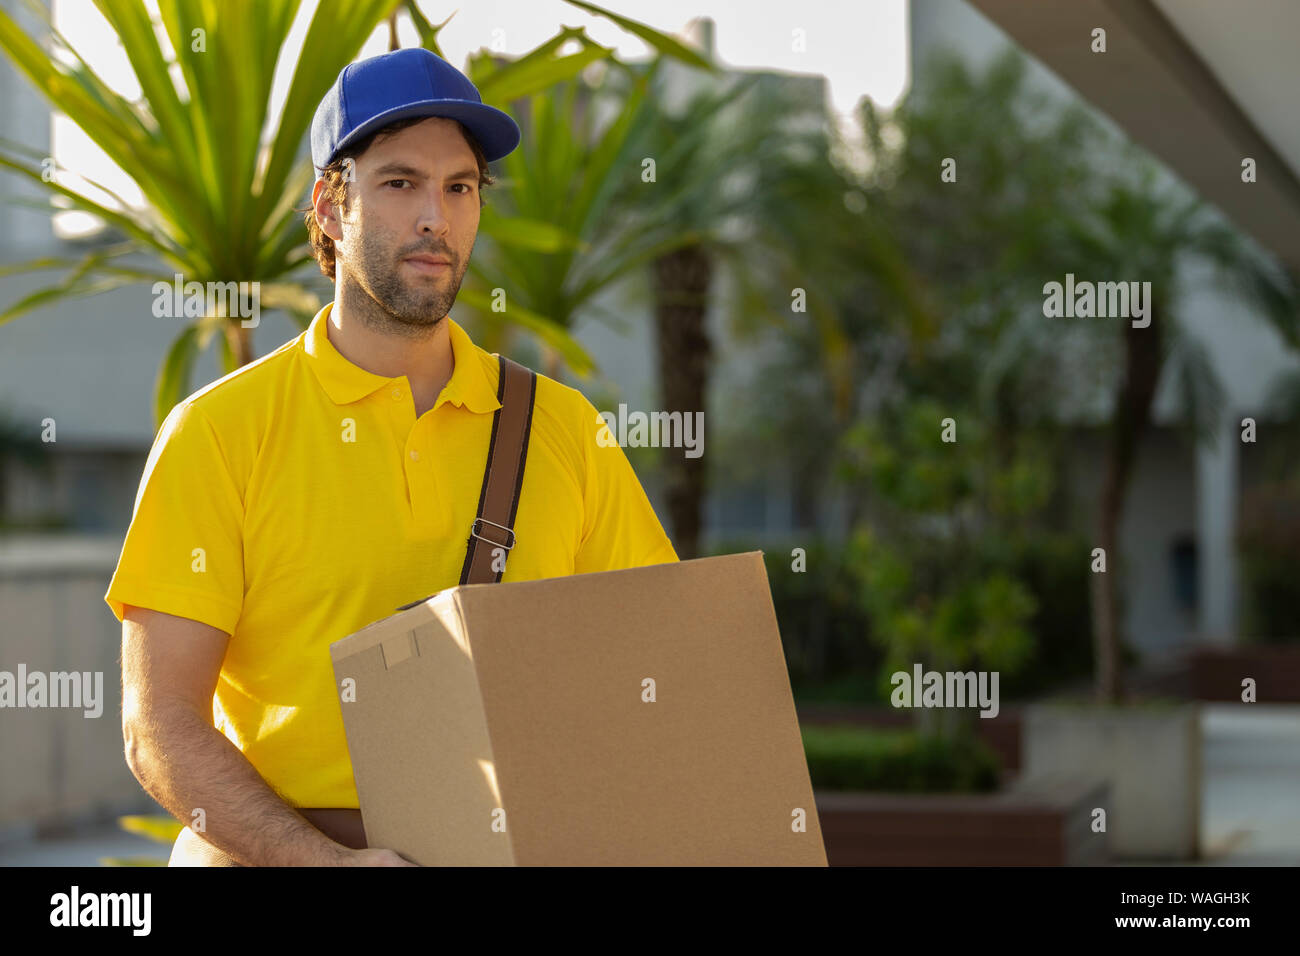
(183, 552)
(620, 529)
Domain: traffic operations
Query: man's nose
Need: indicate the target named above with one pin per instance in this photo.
(433, 215)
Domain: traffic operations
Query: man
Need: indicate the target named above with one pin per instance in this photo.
(322, 486)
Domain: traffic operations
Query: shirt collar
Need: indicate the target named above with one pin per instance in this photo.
(345, 382)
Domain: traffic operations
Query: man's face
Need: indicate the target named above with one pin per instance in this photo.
(415, 198)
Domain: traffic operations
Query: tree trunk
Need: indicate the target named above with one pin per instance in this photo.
(681, 293)
(241, 342)
(550, 363)
(1142, 361)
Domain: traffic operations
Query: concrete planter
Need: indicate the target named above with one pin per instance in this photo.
(1149, 754)
(1216, 673)
(1039, 822)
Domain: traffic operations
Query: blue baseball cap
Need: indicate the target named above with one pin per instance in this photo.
(374, 92)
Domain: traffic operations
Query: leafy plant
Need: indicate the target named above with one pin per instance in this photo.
(937, 589)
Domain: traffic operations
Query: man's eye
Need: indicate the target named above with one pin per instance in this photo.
(391, 181)
(468, 188)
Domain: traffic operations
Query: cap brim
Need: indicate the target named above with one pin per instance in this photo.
(495, 131)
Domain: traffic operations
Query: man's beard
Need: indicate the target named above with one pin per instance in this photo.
(406, 304)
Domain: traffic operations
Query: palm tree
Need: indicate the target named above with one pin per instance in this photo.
(1141, 229)
(745, 183)
(220, 180)
(559, 182)
(219, 195)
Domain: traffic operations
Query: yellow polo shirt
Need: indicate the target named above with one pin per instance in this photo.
(298, 499)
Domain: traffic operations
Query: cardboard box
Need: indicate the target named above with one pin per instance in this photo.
(640, 717)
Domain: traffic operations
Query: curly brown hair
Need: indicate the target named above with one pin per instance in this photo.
(336, 186)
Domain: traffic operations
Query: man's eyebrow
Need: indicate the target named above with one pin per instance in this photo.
(401, 169)
(389, 169)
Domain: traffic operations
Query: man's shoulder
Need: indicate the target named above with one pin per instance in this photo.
(562, 400)
(236, 397)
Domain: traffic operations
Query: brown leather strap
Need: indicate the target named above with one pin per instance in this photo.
(340, 824)
(503, 477)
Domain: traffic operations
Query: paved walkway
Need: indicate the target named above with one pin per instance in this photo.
(1250, 813)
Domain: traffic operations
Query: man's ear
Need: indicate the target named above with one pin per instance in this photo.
(327, 215)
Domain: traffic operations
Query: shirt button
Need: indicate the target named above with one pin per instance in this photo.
(415, 456)
(397, 394)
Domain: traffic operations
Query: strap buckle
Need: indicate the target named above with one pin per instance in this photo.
(495, 544)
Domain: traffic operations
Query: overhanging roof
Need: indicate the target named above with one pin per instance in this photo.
(1201, 84)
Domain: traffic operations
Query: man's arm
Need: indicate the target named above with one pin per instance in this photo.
(170, 667)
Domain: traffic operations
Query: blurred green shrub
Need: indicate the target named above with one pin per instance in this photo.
(825, 629)
(823, 625)
(898, 761)
(932, 571)
(1049, 565)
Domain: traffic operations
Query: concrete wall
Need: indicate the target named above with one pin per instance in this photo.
(1151, 760)
(57, 765)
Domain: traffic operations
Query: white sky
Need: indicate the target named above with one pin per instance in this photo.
(861, 51)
